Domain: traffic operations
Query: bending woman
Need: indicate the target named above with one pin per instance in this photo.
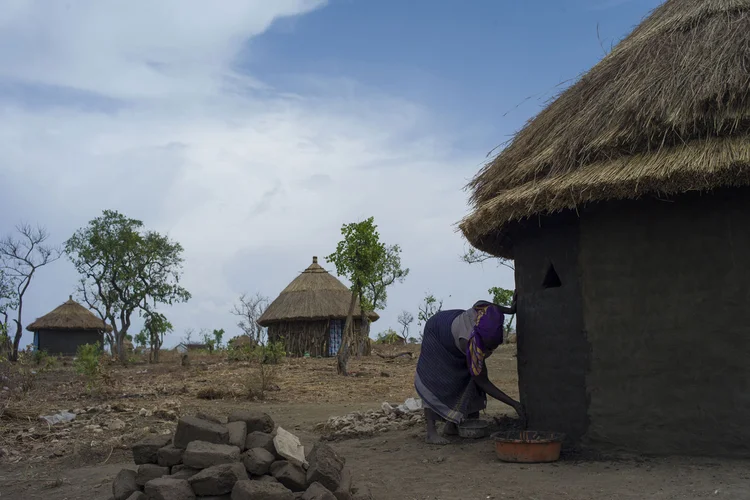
(451, 373)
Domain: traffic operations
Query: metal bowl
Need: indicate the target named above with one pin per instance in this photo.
(473, 429)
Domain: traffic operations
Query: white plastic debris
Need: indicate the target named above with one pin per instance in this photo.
(411, 405)
(62, 417)
(288, 446)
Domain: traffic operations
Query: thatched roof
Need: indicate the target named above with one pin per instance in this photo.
(666, 112)
(313, 295)
(69, 316)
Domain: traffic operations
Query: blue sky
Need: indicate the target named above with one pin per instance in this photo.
(250, 133)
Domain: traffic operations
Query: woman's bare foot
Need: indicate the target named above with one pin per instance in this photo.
(436, 439)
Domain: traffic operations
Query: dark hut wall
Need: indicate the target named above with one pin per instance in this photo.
(666, 289)
(300, 337)
(553, 354)
(66, 343)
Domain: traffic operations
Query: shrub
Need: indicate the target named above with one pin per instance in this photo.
(272, 353)
(87, 363)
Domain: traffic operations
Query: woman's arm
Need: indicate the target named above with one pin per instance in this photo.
(483, 382)
(512, 308)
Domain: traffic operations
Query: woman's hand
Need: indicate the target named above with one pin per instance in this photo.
(521, 413)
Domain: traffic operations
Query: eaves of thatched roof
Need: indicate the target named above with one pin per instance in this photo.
(313, 295)
(67, 317)
(666, 112)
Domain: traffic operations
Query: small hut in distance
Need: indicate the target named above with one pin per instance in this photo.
(309, 314)
(68, 326)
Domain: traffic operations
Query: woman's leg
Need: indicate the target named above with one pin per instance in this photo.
(432, 434)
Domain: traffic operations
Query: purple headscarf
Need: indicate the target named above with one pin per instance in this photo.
(487, 331)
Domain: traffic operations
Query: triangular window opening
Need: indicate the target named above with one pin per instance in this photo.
(551, 279)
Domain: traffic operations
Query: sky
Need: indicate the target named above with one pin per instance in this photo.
(249, 131)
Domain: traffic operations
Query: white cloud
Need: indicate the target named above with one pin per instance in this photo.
(252, 183)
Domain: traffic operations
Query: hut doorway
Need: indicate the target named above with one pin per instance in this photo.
(335, 336)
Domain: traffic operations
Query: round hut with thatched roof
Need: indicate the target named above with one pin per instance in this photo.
(309, 314)
(625, 206)
(68, 326)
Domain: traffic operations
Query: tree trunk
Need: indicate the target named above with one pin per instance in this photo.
(342, 357)
(16, 338)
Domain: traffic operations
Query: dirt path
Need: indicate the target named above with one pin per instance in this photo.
(398, 465)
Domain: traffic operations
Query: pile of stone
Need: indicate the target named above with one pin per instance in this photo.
(359, 424)
(242, 457)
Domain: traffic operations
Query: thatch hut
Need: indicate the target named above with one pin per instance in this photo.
(309, 314)
(66, 327)
(625, 205)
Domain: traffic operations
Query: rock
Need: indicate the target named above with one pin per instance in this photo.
(259, 439)
(255, 421)
(288, 446)
(317, 491)
(217, 480)
(146, 450)
(183, 472)
(219, 497)
(196, 429)
(147, 472)
(124, 484)
(258, 461)
(260, 490)
(201, 455)
(138, 496)
(345, 487)
(266, 478)
(165, 488)
(212, 418)
(325, 466)
(169, 456)
(237, 434)
(290, 475)
(115, 424)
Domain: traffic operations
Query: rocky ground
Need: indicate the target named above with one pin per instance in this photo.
(81, 459)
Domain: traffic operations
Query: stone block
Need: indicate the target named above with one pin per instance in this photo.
(325, 466)
(146, 450)
(169, 456)
(191, 429)
(201, 455)
(165, 488)
(237, 434)
(147, 472)
(257, 439)
(258, 461)
(260, 490)
(255, 420)
(290, 475)
(317, 491)
(124, 484)
(217, 480)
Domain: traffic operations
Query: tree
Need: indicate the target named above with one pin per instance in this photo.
(249, 310)
(405, 319)
(358, 256)
(124, 270)
(208, 340)
(387, 272)
(189, 335)
(474, 256)
(7, 302)
(156, 327)
(21, 257)
(218, 335)
(428, 309)
(503, 297)
(141, 340)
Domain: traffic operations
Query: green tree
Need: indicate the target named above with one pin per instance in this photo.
(358, 256)
(218, 335)
(7, 302)
(387, 272)
(21, 257)
(124, 270)
(141, 340)
(156, 327)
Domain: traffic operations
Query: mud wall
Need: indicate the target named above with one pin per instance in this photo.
(66, 342)
(552, 348)
(666, 294)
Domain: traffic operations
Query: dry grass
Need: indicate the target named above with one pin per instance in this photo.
(667, 111)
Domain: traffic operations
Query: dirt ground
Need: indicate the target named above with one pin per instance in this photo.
(78, 460)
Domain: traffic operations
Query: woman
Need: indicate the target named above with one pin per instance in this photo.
(451, 373)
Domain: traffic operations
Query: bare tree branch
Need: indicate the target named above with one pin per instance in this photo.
(249, 310)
